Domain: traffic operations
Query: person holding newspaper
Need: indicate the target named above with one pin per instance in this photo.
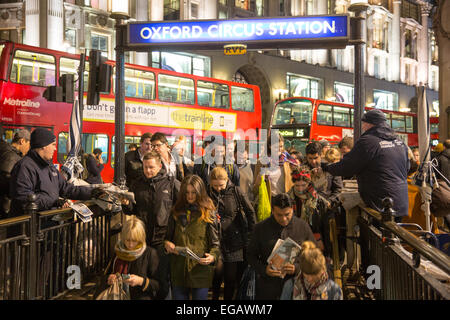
(193, 240)
(282, 224)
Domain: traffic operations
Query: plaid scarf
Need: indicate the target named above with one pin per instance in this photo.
(304, 290)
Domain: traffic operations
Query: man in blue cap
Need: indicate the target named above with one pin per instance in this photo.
(380, 162)
(35, 173)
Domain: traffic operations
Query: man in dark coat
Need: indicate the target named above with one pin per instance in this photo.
(155, 193)
(133, 159)
(444, 161)
(9, 156)
(35, 173)
(280, 225)
(94, 165)
(380, 162)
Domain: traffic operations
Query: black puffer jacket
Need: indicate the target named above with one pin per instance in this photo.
(234, 234)
(380, 162)
(32, 174)
(154, 199)
(9, 156)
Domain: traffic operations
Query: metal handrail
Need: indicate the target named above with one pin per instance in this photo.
(433, 254)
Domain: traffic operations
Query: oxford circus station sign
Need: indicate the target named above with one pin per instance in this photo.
(256, 33)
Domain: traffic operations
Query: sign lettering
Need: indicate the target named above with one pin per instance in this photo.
(250, 31)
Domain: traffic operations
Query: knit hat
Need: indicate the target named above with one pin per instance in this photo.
(41, 138)
(374, 116)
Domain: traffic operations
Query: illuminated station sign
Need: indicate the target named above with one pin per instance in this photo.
(256, 33)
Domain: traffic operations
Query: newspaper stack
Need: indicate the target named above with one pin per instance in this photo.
(284, 252)
(83, 212)
(186, 252)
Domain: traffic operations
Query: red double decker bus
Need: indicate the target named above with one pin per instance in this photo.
(156, 100)
(301, 120)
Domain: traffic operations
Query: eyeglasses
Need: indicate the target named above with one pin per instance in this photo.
(157, 145)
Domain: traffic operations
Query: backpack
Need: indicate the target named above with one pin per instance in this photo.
(440, 200)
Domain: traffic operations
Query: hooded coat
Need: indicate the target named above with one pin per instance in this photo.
(380, 162)
(444, 163)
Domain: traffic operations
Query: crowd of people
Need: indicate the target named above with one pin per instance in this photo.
(194, 226)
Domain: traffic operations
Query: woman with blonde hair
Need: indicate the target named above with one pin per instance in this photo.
(333, 155)
(312, 283)
(138, 263)
(193, 225)
(237, 218)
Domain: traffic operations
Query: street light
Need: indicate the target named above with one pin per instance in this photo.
(120, 6)
(358, 39)
(119, 155)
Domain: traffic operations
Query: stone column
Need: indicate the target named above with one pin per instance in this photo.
(209, 9)
(32, 25)
(423, 45)
(394, 56)
(55, 24)
(296, 10)
(441, 26)
(142, 15)
(157, 10)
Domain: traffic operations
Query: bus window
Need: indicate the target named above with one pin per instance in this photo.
(69, 66)
(175, 89)
(33, 68)
(434, 128)
(293, 111)
(2, 46)
(398, 122)
(352, 116)
(409, 124)
(89, 142)
(242, 99)
(139, 84)
(325, 115)
(341, 116)
(211, 94)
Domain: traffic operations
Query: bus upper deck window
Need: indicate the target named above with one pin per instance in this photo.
(210, 94)
(398, 123)
(139, 84)
(33, 68)
(293, 111)
(325, 115)
(175, 89)
(341, 116)
(242, 99)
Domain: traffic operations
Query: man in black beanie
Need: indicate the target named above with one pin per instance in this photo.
(35, 173)
(380, 162)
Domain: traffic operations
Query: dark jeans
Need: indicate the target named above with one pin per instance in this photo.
(182, 293)
(231, 274)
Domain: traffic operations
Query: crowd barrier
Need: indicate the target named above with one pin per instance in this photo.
(41, 251)
(411, 269)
